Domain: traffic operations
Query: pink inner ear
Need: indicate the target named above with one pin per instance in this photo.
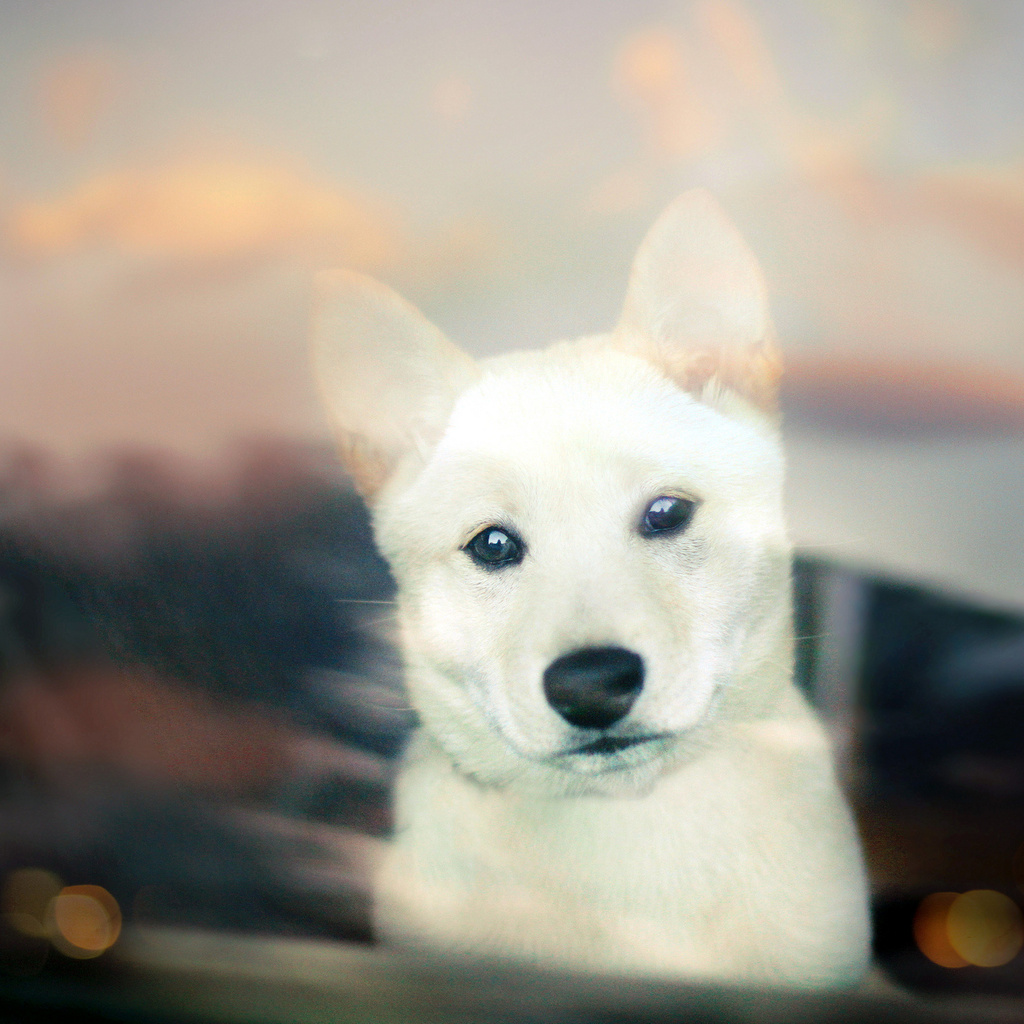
(364, 464)
(751, 371)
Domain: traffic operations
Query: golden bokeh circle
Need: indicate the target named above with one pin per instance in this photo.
(84, 921)
(931, 932)
(27, 893)
(985, 927)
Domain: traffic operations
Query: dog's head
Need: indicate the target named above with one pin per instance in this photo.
(588, 540)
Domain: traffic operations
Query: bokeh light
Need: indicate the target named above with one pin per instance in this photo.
(84, 920)
(983, 928)
(27, 893)
(931, 932)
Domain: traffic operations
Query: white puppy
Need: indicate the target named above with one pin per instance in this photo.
(614, 769)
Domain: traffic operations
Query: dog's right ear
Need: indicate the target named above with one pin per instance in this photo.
(387, 376)
(696, 306)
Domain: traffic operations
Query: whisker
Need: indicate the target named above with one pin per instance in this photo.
(382, 620)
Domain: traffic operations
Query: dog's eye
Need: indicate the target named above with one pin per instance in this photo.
(493, 547)
(666, 514)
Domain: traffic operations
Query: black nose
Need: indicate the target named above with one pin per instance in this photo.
(594, 687)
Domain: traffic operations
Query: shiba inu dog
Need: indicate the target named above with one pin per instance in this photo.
(613, 768)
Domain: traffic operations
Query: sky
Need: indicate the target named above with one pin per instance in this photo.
(171, 176)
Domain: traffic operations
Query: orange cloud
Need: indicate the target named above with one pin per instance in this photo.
(74, 93)
(698, 88)
(984, 205)
(741, 47)
(712, 87)
(653, 76)
(206, 211)
(980, 205)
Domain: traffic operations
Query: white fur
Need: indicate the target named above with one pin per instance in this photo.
(722, 849)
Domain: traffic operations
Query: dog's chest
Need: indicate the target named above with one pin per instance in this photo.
(671, 854)
(739, 865)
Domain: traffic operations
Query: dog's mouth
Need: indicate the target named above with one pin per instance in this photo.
(613, 744)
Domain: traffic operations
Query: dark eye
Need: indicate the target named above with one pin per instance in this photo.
(666, 514)
(493, 547)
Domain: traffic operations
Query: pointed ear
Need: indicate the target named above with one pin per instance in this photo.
(696, 305)
(387, 376)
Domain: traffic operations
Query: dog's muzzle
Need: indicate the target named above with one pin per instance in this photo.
(595, 687)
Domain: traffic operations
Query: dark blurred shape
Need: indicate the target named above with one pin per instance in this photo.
(886, 398)
(924, 696)
(943, 683)
(198, 695)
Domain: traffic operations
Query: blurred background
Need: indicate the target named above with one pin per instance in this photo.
(199, 708)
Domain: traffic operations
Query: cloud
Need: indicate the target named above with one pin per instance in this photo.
(711, 101)
(167, 304)
(207, 211)
(980, 206)
(74, 93)
(920, 268)
(739, 44)
(701, 86)
(653, 76)
(985, 205)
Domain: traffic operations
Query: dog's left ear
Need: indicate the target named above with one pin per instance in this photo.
(697, 308)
